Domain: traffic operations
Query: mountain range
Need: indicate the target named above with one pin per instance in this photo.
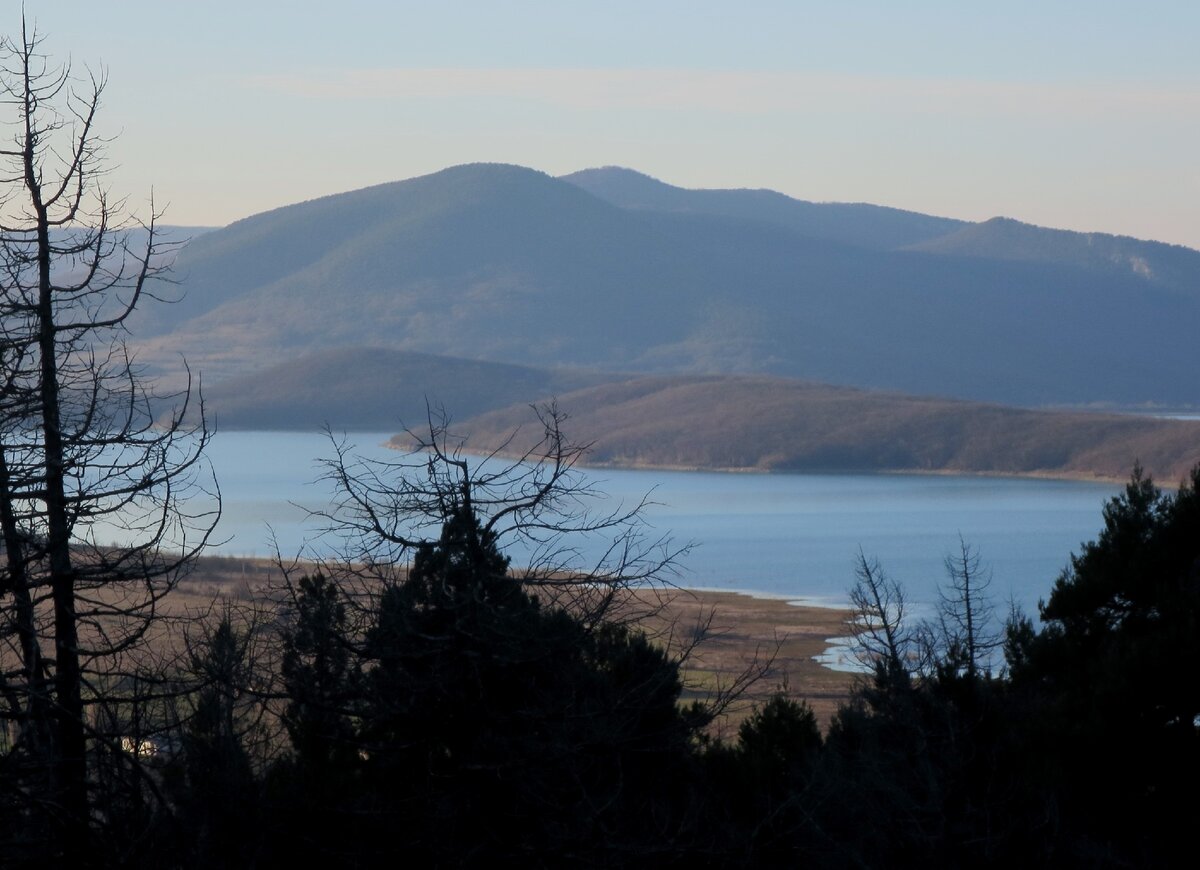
(611, 270)
(693, 328)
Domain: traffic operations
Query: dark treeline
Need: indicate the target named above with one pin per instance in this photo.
(461, 717)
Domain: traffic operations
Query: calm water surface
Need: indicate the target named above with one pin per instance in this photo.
(791, 535)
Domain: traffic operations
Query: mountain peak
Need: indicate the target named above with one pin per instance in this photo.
(612, 172)
(627, 188)
(485, 170)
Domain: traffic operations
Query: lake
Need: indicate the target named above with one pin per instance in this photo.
(790, 535)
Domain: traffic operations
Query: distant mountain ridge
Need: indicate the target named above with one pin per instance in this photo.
(505, 264)
(1008, 239)
(850, 223)
(885, 228)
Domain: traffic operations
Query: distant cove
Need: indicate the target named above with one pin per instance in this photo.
(789, 535)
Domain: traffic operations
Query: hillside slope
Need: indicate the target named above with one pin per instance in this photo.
(770, 424)
(378, 388)
(883, 228)
(506, 264)
(1006, 239)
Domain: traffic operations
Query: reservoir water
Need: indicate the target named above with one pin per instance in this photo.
(790, 535)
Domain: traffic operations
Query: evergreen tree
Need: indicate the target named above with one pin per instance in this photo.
(1112, 676)
(215, 785)
(496, 725)
(321, 680)
(475, 720)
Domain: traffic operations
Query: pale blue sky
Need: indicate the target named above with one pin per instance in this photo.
(1080, 115)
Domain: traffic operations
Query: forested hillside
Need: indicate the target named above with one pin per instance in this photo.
(771, 424)
(380, 389)
(506, 264)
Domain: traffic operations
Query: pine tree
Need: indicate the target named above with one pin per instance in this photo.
(1111, 674)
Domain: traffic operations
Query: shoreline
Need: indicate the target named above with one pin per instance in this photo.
(1075, 476)
(800, 644)
(1042, 474)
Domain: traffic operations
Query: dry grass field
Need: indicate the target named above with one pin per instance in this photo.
(779, 639)
(772, 637)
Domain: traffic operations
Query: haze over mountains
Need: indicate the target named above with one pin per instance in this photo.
(378, 388)
(857, 224)
(484, 286)
(612, 270)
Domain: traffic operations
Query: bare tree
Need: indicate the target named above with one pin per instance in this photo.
(534, 499)
(600, 566)
(469, 651)
(960, 638)
(967, 631)
(102, 500)
(886, 642)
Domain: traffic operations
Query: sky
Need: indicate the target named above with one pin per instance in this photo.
(1078, 115)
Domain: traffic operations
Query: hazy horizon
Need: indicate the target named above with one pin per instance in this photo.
(1076, 122)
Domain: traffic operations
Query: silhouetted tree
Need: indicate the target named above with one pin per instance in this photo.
(886, 643)
(82, 459)
(765, 787)
(1117, 723)
(211, 774)
(499, 711)
(922, 765)
(322, 682)
(966, 629)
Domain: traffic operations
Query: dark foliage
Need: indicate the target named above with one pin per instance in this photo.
(1112, 678)
(928, 771)
(217, 794)
(485, 723)
(1084, 754)
(322, 681)
(763, 787)
(471, 721)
